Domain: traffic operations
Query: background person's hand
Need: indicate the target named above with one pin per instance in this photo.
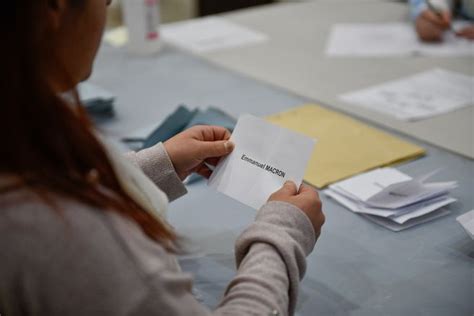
(191, 148)
(467, 32)
(306, 199)
(430, 26)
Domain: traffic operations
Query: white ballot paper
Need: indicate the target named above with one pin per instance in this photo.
(264, 157)
(417, 97)
(393, 39)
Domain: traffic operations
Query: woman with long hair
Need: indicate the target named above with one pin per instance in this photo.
(82, 228)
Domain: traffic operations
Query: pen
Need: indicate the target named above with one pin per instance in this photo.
(436, 11)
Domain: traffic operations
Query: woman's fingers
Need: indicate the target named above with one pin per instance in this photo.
(204, 171)
(213, 161)
(442, 20)
(467, 32)
(211, 133)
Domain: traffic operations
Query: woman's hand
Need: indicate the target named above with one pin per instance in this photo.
(190, 149)
(430, 26)
(306, 199)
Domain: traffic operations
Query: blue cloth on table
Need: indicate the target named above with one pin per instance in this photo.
(183, 118)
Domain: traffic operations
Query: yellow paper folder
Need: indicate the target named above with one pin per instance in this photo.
(345, 146)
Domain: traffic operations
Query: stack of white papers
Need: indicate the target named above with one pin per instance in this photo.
(393, 199)
(421, 96)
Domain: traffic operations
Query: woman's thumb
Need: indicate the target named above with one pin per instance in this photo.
(289, 188)
(216, 148)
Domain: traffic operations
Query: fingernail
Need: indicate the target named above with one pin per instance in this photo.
(229, 146)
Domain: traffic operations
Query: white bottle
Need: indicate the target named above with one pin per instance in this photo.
(142, 20)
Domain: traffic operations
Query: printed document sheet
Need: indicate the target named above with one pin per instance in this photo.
(393, 39)
(417, 97)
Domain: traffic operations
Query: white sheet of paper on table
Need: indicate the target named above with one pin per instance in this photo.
(417, 97)
(467, 222)
(210, 34)
(393, 39)
(264, 157)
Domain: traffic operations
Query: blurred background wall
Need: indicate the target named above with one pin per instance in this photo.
(177, 10)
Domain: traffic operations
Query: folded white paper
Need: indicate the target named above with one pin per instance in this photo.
(365, 185)
(393, 226)
(467, 222)
(265, 156)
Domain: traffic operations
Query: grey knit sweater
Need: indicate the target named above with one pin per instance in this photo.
(87, 261)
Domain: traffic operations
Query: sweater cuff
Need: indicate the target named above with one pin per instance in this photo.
(283, 226)
(290, 232)
(295, 221)
(157, 165)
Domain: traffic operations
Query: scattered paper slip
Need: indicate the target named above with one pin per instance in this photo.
(393, 39)
(265, 156)
(392, 198)
(210, 34)
(467, 222)
(421, 96)
(198, 36)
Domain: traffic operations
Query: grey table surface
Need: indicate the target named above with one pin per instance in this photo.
(357, 267)
(294, 59)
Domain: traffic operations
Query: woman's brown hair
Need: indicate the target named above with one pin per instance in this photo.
(46, 142)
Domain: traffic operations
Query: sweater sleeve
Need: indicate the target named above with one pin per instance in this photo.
(103, 264)
(157, 165)
(270, 257)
